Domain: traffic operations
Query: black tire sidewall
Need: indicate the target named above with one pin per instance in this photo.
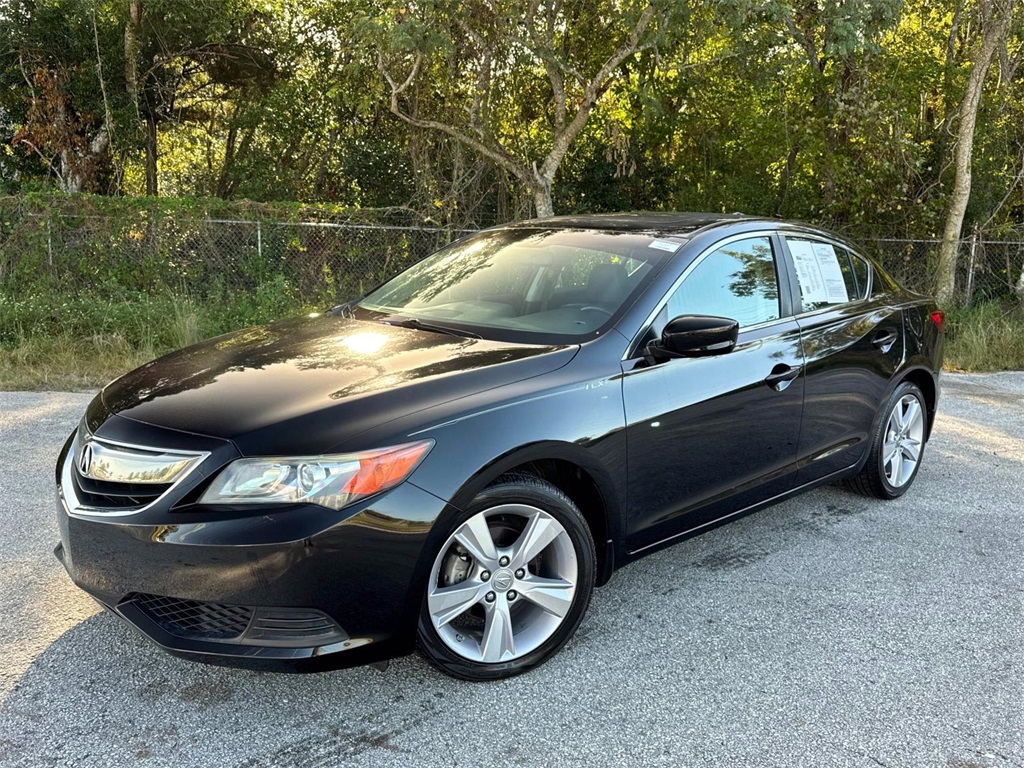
(539, 494)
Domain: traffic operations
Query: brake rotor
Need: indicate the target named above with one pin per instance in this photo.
(456, 567)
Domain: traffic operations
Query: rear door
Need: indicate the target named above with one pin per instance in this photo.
(709, 436)
(852, 344)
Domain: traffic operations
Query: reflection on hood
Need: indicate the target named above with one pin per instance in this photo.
(233, 384)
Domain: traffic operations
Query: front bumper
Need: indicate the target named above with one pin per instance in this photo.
(299, 587)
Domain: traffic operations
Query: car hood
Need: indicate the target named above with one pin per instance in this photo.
(307, 384)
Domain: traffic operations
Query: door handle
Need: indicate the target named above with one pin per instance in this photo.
(782, 375)
(884, 340)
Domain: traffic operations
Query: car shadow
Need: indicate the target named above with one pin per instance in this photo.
(101, 683)
(694, 618)
(115, 698)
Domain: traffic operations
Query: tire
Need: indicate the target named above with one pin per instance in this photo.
(890, 468)
(510, 584)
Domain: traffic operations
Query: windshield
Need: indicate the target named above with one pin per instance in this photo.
(544, 286)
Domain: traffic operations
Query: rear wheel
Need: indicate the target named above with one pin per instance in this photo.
(510, 584)
(897, 446)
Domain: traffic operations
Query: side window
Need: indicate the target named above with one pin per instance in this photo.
(823, 272)
(738, 281)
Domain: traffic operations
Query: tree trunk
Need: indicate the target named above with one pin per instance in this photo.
(542, 201)
(222, 189)
(132, 33)
(566, 127)
(151, 181)
(947, 82)
(786, 177)
(325, 159)
(996, 21)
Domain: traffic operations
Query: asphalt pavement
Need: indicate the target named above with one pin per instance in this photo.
(831, 630)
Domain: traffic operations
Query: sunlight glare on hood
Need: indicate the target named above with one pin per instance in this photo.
(365, 343)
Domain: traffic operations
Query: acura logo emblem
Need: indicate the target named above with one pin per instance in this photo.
(85, 459)
(502, 580)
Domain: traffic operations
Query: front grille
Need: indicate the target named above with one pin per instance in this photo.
(104, 477)
(101, 494)
(194, 619)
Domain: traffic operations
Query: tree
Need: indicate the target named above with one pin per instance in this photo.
(496, 59)
(75, 75)
(994, 18)
(183, 53)
(831, 44)
(52, 66)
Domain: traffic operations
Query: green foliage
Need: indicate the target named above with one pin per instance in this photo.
(833, 112)
(837, 112)
(160, 273)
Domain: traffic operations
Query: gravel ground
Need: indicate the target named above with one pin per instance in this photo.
(831, 630)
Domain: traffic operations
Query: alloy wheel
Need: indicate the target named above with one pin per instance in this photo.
(904, 436)
(503, 583)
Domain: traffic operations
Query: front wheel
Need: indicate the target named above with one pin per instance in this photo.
(897, 446)
(511, 583)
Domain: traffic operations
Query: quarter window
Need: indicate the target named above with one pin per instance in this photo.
(863, 273)
(849, 278)
(879, 287)
(737, 281)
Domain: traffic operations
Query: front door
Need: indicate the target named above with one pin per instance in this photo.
(709, 436)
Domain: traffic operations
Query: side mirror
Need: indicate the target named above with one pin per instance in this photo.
(694, 336)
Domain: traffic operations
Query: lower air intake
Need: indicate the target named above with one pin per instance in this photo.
(237, 624)
(194, 619)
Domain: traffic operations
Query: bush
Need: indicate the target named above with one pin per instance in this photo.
(985, 337)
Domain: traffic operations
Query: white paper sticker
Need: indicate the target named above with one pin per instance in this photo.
(664, 245)
(817, 269)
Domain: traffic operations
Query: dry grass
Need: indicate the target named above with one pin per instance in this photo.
(988, 337)
(64, 363)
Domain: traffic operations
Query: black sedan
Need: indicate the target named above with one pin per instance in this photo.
(458, 458)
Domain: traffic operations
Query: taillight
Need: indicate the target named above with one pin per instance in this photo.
(939, 318)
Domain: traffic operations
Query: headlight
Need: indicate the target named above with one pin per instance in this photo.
(332, 481)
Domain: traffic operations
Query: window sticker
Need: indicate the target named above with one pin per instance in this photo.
(817, 269)
(664, 245)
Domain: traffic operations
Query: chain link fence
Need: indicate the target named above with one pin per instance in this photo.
(312, 263)
(265, 268)
(987, 270)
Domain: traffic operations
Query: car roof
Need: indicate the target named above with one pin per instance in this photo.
(677, 223)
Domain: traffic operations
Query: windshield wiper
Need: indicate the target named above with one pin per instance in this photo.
(343, 310)
(415, 322)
